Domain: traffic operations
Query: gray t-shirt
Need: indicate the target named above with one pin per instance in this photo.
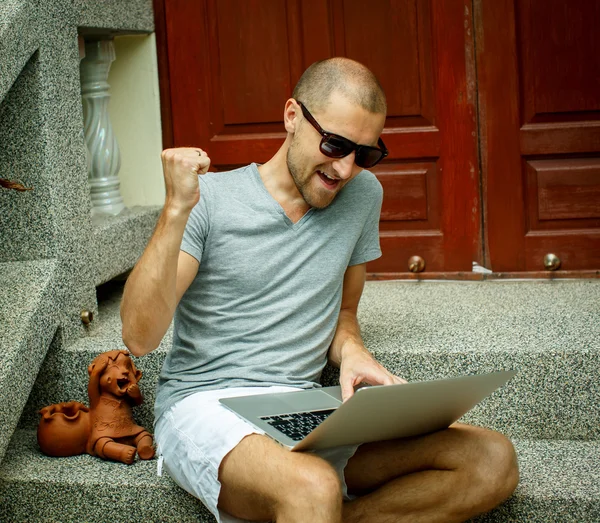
(264, 306)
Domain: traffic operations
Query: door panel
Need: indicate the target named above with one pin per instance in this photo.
(560, 52)
(539, 88)
(565, 193)
(395, 38)
(412, 197)
(249, 84)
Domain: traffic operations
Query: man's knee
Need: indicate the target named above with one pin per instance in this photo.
(261, 480)
(494, 470)
(315, 482)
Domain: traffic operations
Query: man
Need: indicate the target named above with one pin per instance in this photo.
(263, 268)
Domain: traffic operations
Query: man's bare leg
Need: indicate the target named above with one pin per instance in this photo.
(263, 481)
(448, 476)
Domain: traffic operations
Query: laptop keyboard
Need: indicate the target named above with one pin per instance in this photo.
(299, 424)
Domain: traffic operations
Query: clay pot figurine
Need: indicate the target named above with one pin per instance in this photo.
(106, 429)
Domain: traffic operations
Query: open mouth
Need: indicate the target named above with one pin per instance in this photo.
(122, 383)
(329, 181)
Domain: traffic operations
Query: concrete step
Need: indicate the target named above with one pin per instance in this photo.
(560, 481)
(27, 324)
(37, 488)
(120, 240)
(548, 331)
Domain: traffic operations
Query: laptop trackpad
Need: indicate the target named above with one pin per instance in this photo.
(334, 392)
(282, 403)
(304, 401)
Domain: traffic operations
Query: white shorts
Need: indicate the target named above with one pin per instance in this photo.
(195, 434)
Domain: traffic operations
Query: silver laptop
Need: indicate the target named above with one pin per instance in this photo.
(317, 419)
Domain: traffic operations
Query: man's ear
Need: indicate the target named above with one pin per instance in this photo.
(290, 115)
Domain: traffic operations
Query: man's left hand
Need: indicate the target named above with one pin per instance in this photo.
(359, 366)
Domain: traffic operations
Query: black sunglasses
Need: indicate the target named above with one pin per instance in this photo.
(336, 146)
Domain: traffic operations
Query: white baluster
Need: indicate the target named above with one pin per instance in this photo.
(104, 158)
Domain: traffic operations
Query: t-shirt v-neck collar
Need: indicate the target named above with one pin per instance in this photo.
(275, 205)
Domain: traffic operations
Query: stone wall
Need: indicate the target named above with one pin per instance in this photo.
(52, 254)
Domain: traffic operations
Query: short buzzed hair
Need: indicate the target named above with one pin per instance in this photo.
(342, 75)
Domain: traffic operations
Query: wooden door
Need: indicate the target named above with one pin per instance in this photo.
(232, 64)
(538, 65)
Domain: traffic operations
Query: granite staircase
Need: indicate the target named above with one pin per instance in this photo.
(548, 331)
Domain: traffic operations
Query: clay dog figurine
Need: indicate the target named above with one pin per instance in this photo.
(106, 429)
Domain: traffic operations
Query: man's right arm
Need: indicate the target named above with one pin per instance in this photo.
(164, 272)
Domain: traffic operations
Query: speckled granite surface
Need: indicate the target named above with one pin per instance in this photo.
(538, 315)
(120, 240)
(26, 24)
(122, 16)
(27, 325)
(34, 487)
(560, 481)
(426, 331)
(24, 232)
(18, 40)
(548, 331)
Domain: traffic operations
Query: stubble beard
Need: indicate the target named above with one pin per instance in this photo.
(311, 197)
